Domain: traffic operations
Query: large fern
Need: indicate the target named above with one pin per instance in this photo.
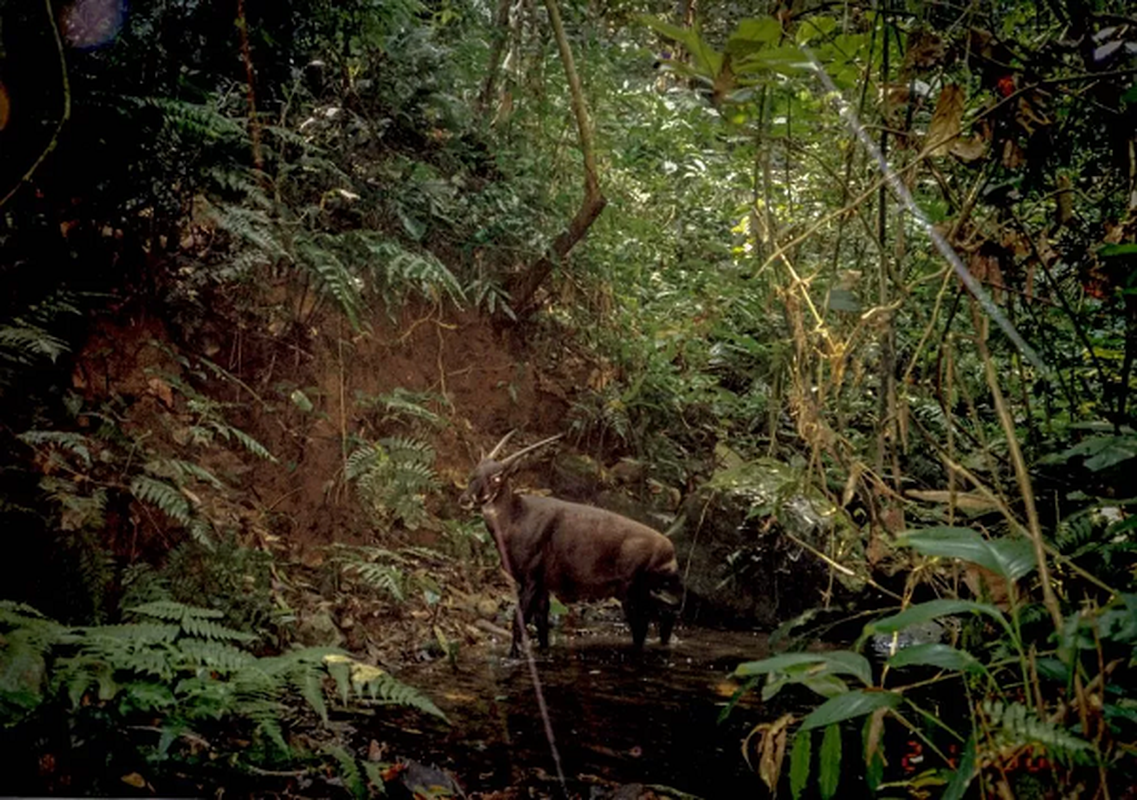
(392, 477)
(163, 496)
(26, 637)
(1015, 725)
(32, 336)
(176, 664)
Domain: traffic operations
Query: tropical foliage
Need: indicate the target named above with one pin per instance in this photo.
(890, 247)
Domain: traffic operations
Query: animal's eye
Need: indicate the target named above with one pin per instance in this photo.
(495, 479)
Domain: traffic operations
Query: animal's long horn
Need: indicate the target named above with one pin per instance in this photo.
(501, 444)
(530, 449)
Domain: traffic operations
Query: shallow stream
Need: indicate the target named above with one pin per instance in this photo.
(619, 717)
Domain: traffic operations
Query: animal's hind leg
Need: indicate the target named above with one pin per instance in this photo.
(664, 598)
(540, 615)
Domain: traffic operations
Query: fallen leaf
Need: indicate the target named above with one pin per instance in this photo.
(946, 120)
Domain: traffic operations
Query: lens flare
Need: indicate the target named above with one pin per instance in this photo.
(87, 24)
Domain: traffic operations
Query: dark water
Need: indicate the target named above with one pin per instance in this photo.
(619, 717)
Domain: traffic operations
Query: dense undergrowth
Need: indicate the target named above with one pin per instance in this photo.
(212, 224)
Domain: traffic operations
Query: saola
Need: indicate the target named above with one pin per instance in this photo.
(574, 551)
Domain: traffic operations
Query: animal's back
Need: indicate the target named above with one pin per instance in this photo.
(592, 554)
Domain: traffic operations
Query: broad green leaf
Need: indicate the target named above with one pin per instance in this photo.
(785, 60)
(844, 300)
(934, 654)
(707, 61)
(933, 609)
(1114, 250)
(814, 28)
(872, 736)
(826, 684)
(850, 705)
(961, 779)
(838, 662)
(676, 32)
(1008, 558)
(301, 400)
(800, 756)
(829, 771)
(1100, 452)
(754, 34)
(739, 693)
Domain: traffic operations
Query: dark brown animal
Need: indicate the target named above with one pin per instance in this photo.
(574, 551)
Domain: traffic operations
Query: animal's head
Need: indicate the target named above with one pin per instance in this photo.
(491, 476)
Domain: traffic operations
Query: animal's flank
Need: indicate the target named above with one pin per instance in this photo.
(573, 550)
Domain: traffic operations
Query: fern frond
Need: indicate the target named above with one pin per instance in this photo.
(128, 635)
(317, 254)
(1018, 725)
(174, 611)
(401, 403)
(367, 682)
(408, 449)
(1074, 533)
(416, 477)
(193, 120)
(491, 297)
(201, 532)
(215, 655)
(384, 577)
(208, 629)
(362, 460)
(192, 620)
(349, 771)
(162, 496)
(245, 440)
(182, 471)
(25, 344)
(249, 225)
(380, 686)
(64, 440)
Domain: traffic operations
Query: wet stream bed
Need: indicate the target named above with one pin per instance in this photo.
(619, 717)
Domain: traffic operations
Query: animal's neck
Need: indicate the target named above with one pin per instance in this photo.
(503, 510)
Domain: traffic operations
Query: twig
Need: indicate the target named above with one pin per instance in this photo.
(1022, 475)
(841, 567)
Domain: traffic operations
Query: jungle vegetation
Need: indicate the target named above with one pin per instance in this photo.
(890, 246)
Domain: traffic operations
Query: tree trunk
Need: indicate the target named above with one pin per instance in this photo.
(527, 283)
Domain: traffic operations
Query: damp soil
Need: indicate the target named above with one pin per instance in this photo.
(618, 717)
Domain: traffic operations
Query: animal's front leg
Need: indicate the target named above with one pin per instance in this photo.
(635, 612)
(666, 624)
(528, 603)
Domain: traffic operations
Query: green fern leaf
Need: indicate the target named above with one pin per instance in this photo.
(317, 255)
(1018, 725)
(387, 690)
(215, 655)
(25, 344)
(246, 441)
(181, 471)
(175, 612)
(349, 771)
(208, 629)
(384, 577)
(71, 442)
(162, 496)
